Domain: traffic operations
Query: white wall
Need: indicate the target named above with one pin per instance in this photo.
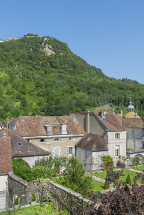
(31, 160)
(134, 140)
(112, 142)
(3, 180)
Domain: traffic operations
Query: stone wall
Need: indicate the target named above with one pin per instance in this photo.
(74, 202)
(59, 144)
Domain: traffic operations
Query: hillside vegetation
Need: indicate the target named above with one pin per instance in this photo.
(41, 75)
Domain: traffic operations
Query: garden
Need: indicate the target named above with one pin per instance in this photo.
(126, 197)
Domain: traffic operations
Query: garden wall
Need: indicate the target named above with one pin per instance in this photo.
(74, 202)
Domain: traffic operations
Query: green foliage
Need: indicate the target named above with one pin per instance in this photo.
(56, 84)
(35, 210)
(16, 201)
(33, 198)
(126, 188)
(128, 179)
(107, 162)
(106, 186)
(22, 169)
(136, 161)
(74, 177)
(47, 199)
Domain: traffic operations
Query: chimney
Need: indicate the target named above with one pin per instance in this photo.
(5, 133)
(63, 127)
(7, 120)
(87, 122)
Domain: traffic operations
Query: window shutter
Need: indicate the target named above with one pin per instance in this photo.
(57, 152)
(73, 150)
(67, 150)
(38, 140)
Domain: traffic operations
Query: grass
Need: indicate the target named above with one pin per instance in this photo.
(35, 210)
(139, 168)
(123, 178)
(98, 186)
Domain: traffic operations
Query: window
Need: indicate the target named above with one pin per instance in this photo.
(117, 151)
(70, 150)
(56, 139)
(19, 144)
(70, 138)
(133, 132)
(142, 145)
(86, 154)
(117, 136)
(42, 140)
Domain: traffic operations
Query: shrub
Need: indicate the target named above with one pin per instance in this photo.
(33, 198)
(128, 179)
(74, 177)
(39, 172)
(136, 161)
(22, 169)
(106, 186)
(107, 162)
(126, 188)
(120, 165)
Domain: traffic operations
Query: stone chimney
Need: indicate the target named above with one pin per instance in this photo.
(63, 127)
(7, 122)
(5, 132)
(87, 122)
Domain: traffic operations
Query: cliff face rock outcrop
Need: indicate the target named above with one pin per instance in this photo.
(47, 49)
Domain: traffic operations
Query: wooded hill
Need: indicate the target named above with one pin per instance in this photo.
(41, 75)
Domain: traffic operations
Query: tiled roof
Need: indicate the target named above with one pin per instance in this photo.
(132, 122)
(26, 149)
(34, 125)
(92, 142)
(5, 155)
(112, 121)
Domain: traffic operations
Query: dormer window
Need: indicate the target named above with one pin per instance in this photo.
(117, 135)
(19, 143)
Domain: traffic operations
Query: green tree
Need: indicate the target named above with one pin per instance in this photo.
(23, 103)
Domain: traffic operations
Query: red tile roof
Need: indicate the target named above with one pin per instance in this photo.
(34, 125)
(92, 142)
(132, 122)
(5, 155)
(112, 121)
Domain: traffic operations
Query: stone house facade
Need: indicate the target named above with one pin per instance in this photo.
(55, 134)
(89, 151)
(108, 126)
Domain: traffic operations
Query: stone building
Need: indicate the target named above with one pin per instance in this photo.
(108, 126)
(89, 150)
(55, 134)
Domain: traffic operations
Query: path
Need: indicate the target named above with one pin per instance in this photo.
(96, 178)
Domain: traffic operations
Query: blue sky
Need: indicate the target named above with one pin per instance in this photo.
(108, 34)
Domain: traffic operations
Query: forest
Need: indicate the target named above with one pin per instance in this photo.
(32, 81)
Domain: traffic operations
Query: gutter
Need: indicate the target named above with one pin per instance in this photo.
(52, 136)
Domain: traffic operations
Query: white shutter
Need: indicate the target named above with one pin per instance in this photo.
(73, 150)
(67, 150)
(57, 152)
